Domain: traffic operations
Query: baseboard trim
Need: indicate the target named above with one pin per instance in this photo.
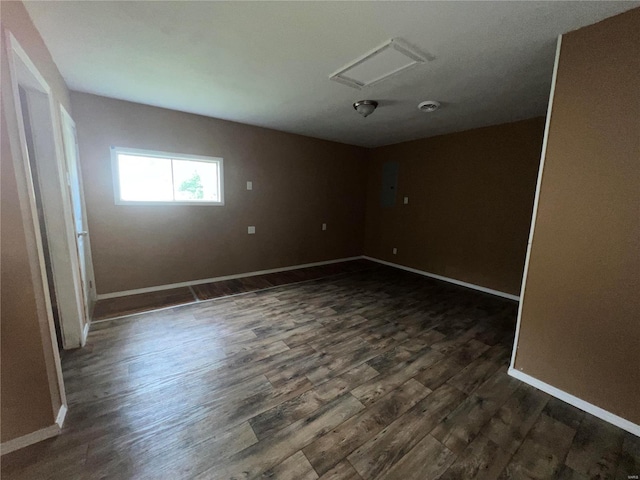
(85, 334)
(103, 296)
(445, 279)
(62, 414)
(576, 402)
(37, 436)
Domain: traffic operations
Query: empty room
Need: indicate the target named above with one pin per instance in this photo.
(341, 240)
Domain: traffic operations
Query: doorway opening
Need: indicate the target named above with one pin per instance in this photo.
(42, 127)
(25, 97)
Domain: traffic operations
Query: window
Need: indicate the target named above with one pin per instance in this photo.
(160, 178)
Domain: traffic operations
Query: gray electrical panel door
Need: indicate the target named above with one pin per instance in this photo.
(389, 184)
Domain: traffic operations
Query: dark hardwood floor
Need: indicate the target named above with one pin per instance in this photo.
(368, 375)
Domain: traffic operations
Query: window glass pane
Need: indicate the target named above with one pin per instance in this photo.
(145, 178)
(195, 181)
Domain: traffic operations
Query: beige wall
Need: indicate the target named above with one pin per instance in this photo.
(470, 203)
(298, 184)
(580, 325)
(29, 395)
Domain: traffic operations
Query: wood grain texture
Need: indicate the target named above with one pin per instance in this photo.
(376, 457)
(463, 424)
(372, 374)
(596, 449)
(516, 417)
(342, 471)
(296, 467)
(482, 460)
(543, 452)
(344, 439)
(428, 459)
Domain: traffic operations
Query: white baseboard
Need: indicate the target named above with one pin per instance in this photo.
(85, 334)
(62, 413)
(102, 296)
(445, 279)
(37, 436)
(577, 402)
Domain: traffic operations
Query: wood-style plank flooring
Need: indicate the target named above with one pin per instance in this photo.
(378, 374)
(107, 308)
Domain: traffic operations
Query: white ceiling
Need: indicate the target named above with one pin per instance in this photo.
(268, 63)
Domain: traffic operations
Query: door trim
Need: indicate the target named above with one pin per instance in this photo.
(66, 117)
(52, 184)
(27, 200)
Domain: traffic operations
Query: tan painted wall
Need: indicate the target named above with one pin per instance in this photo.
(298, 183)
(470, 203)
(29, 396)
(580, 326)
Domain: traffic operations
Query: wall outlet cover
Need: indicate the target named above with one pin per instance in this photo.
(395, 251)
(249, 185)
(406, 200)
(251, 230)
(324, 226)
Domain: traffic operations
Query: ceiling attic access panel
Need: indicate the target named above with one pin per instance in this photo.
(390, 58)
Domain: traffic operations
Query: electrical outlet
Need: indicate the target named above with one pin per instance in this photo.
(251, 230)
(395, 251)
(406, 200)
(324, 226)
(249, 185)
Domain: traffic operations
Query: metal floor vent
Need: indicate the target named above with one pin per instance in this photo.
(393, 56)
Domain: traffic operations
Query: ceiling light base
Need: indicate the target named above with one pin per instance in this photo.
(365, 107)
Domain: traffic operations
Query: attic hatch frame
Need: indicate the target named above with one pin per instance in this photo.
(414, 57)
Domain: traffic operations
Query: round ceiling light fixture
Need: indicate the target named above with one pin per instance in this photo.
(429, 106)
(365, 107)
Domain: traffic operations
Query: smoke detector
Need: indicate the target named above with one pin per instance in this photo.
(429, 106)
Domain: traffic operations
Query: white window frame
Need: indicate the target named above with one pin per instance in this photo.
(115, 151)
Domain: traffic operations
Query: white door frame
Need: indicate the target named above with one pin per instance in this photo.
(56, 201)
(67, 119)
(27, 200)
